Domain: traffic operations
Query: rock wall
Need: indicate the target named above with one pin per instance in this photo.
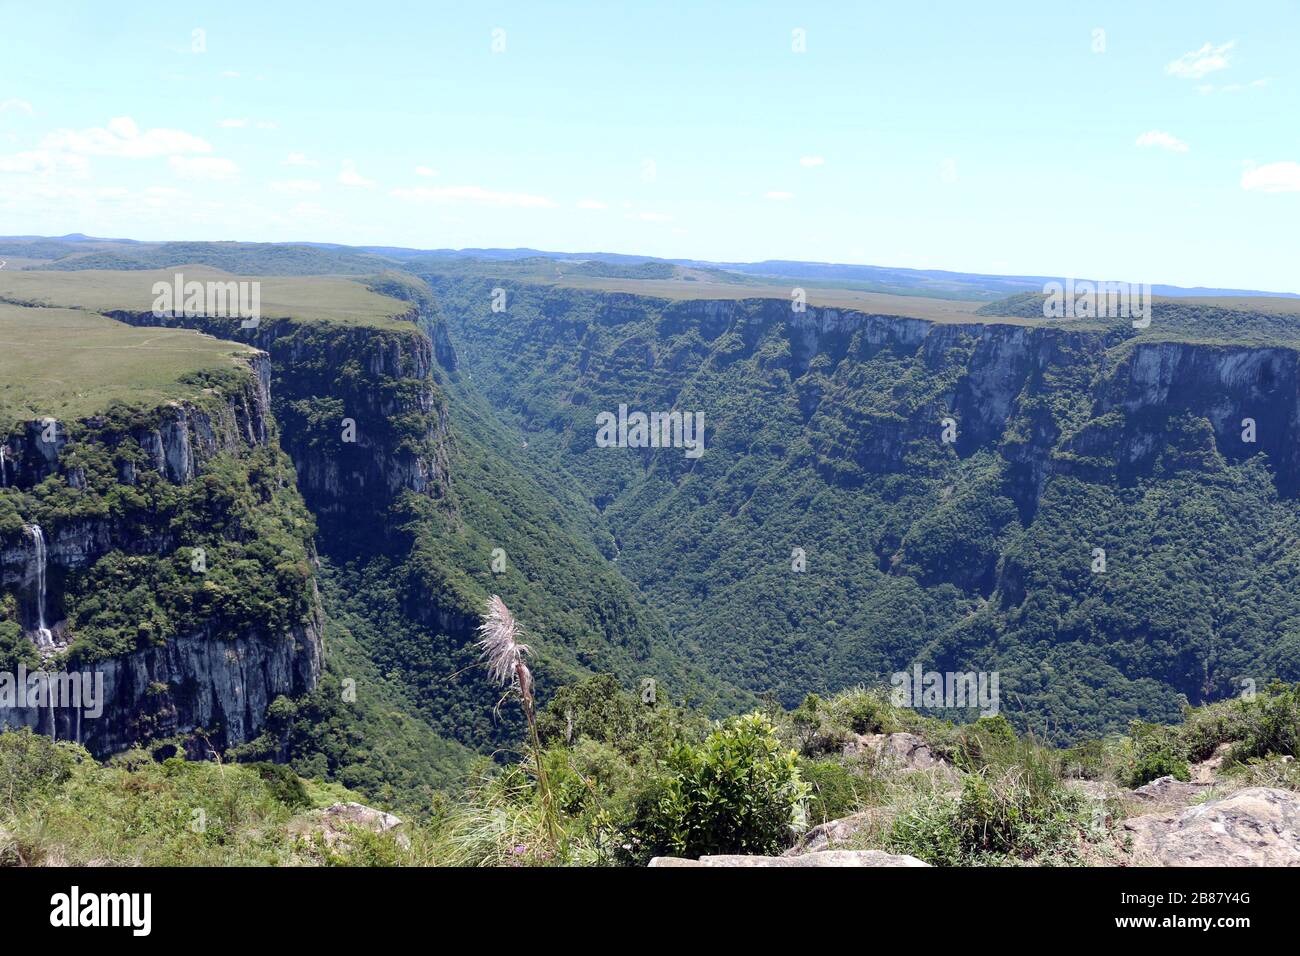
(359, 414)
(216, 680)
(217, 683)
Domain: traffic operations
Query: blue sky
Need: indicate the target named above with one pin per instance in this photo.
(1005, 138)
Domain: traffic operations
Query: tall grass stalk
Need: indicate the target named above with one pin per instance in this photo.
(503, 654)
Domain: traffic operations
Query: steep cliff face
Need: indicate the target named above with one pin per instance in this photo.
(1080, 505)
(359, 415)
(96, 517)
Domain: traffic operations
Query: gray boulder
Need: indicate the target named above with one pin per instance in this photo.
(1258, 826)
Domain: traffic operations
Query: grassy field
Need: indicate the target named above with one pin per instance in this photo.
(1273, 305)
(69, 363)
(878, 303)
(312, 298)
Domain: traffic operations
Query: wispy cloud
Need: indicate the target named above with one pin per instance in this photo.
(1156, 138)
(811, 161)
(12, 105)
(1272, 178)
(655, 217)
(298, 159)
(474, 194)
(349, 176)
(778, 195)
(44, 162)
(1200, 63)
(592, 204)
(233, 123)
(123, 138)
(425, 171)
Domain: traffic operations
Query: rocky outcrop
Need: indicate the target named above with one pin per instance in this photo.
(216, 683)
(177, 440)
(825, 835)
(823, 858)
(218, 679)
(335, 824)
(1169, 790)
(177, 437)
(1259, 826)
(902, 750)
(358, 410)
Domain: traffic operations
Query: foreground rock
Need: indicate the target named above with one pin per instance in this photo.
(336, 822)
(1169, 790)
(825, 835)
(1259, 826)
(821, 858)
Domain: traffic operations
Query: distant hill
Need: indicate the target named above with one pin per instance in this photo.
(78, 251)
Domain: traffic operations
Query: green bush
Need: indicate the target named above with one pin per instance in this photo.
(1205, 728)
(1156, 753)
(1086, 760)
(1021, 812)
(737, 792)
(864, 712)
(978, 743)
(1272, 726)
(285, 785)
(32, 765)
(834, 791)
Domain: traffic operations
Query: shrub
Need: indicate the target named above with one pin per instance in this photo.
(1272, 727)
(1156, 753)
(1018, 812)
(834, 791)
(32, 765)
(1205, 728)
(1259, 772)
(979, 742)
(284, 784)
(737, 792)
(864, 712)
(1085, 761)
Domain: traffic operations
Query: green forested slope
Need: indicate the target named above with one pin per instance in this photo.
(825, 434)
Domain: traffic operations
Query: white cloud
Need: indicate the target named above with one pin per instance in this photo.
(230, 74)
(655, 217)
(811, 161)
(1159, 138)
(299, 159)
(778, 195)
(1199, 63)
(233, 123)
(349, 176)
(425, 171)
(44, 162)
(203, 167)
(1272, 178)
(474, 194)
(266, 124)
(15, 106)
(296, 186)
(123, 138)
(592, 204)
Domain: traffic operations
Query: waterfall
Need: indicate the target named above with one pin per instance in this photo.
(49, 706)
(44, 638)
(4, 466)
